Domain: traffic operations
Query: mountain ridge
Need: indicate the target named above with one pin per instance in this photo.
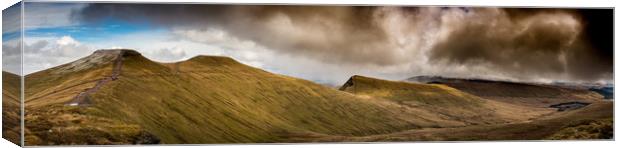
(541, 95)
(240, 103)
(442, 100)
(133, 99)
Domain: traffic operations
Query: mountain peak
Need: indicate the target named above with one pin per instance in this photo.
(124, 52)
(214, 60)
(352, 81)
(97, 58)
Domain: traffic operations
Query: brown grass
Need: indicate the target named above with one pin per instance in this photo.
(591, 122)
(10, 107)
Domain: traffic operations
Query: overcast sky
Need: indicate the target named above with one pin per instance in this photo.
(328, 44)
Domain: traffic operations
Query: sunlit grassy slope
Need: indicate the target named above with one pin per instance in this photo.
(423, 94)
(60, 84)
(49, 121)
(10, 107)
(446, 102)
(206, 99)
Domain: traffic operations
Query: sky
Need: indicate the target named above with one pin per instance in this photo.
(328, 44)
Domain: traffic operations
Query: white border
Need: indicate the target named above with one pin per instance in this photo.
(502, 3)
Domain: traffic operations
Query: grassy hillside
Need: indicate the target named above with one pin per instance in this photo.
(60, 84)
(206, 99)
(425, 94)
(49, 121)
(10, 107)
(443, 101)
(591, 122)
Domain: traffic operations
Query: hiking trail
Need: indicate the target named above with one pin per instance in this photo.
(83, 99)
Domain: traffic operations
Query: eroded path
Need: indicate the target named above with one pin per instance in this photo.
(82, 99)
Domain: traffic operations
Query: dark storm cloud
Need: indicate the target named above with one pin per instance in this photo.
(533, 42)
(338, 34)
(523, 44)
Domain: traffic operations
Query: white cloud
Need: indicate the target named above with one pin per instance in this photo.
(116, 47)
(11, 59)
(255, 55)
(47, 52)
(213, 36)
(67, 40)
(167, 54)
(161, 46)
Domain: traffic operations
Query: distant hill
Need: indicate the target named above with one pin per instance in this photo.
(119, 96)
(442, 101)
(514, 92)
